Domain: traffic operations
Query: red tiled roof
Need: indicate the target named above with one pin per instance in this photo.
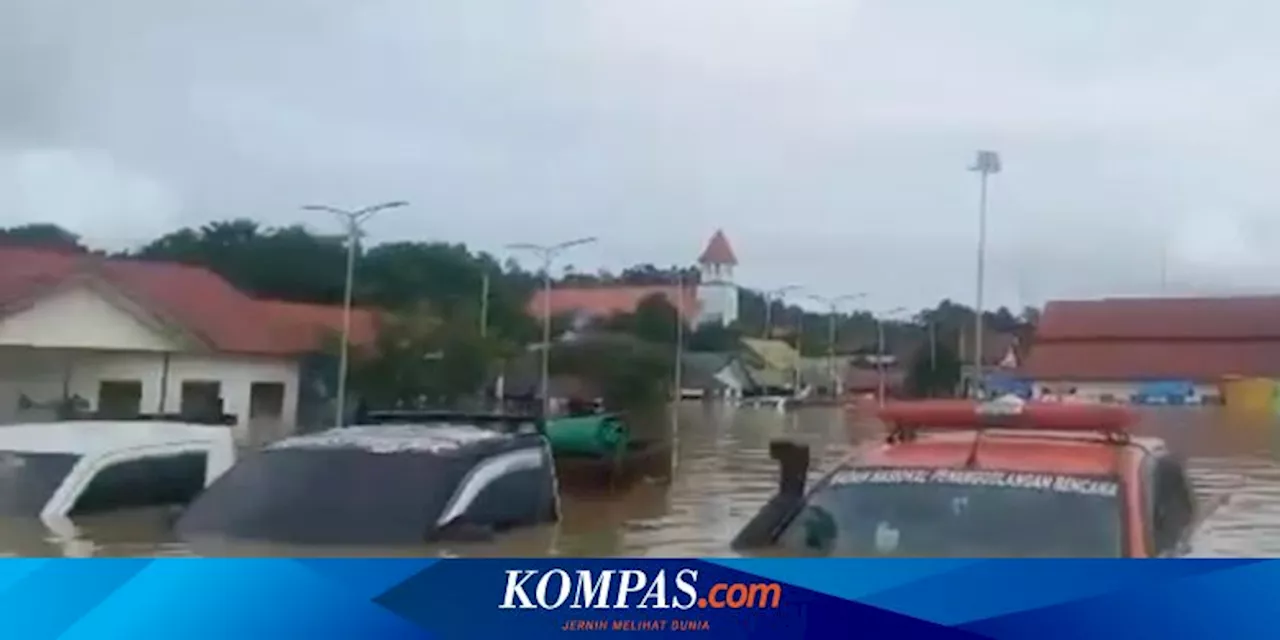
(194, 298)
(718, 251)
(1161, 318)
(1200, 339)
(859, 380)
(607, 301)
(1204, 360)
(306, 325)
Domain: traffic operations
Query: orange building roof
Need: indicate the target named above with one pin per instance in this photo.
(305, 325)
(607, 301)
(718, 251)
(194, 298)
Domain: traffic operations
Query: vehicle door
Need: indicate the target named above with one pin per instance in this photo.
(1173, 507)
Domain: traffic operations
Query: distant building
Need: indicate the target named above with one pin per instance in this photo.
(713, 299)
(717, 292)
(119, 338)
(1166, 350)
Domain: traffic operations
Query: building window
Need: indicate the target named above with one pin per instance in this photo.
(266, 400)
(144, 482)
(119, 399)
(201, 399)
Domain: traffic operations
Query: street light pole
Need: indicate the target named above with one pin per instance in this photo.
(833, 309)
(880, 347)
(352, 220)
(680, 315)
(986, 164)
(548, 254)
(769, 297)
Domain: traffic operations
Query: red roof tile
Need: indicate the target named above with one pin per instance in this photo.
(1162, 318)
(1153, 338)
(1208, 360)
(194, 298)
(307, 325)
(858, 380)
(718, 251)
(607, 301)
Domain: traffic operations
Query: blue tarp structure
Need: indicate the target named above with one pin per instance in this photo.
(1165, 392)
(1003, 384)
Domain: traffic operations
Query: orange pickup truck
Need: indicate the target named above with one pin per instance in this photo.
(1005, 478)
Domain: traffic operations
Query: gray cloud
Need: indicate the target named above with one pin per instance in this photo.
(828, 138)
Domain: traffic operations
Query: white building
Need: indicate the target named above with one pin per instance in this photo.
(714, 299)
(717, 293)
(120, 338)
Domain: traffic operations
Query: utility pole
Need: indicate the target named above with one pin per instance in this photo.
(547, 254)
(352, 221)
(680, 315)
(986, 164)
(484, 305)
(833, 310)
(769, 297)
(880, 351)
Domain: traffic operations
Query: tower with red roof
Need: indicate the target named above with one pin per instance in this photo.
(717, 293)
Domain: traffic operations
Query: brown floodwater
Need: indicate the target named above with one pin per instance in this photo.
(721, 474)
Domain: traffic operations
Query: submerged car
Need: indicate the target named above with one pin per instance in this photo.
(1001, 479)
(58, 470)
(396, 478)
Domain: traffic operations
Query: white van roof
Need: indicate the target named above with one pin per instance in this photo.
(94, 436)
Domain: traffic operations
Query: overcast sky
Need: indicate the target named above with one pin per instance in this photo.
(829, 139)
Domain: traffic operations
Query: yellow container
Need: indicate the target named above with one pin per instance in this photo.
(1249, 395)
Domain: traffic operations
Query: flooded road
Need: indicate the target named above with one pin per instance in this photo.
(722, 474)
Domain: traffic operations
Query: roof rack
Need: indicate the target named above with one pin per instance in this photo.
(222, 420)
(907, 419)
(507, 422)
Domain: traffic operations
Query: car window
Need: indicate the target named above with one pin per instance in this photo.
(29, 480)
(143, 482)
(328, 495)
(945, 513)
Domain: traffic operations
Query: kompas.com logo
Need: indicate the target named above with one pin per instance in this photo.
(631, 589)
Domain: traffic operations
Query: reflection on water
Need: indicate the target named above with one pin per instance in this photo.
(722, 475)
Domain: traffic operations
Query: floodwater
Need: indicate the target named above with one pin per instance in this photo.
(721, 474)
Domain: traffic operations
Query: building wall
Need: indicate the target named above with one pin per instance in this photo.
(80, 318)
(1112, 390)
(43, 375)
(717, 295)
(70, 342)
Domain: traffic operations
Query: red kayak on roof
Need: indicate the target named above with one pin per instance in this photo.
(1009, 413)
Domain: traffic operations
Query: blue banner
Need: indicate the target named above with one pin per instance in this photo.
(515, 598)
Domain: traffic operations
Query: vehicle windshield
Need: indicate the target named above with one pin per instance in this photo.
(959, 513)
(323, 496)
(28, 480)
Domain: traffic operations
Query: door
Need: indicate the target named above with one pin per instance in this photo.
(266, 412)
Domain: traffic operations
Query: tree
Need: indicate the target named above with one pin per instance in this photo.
(41, 235)
(933, 372)
(654, 320)
(631, 375)
(420, 356)
(715, 337)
